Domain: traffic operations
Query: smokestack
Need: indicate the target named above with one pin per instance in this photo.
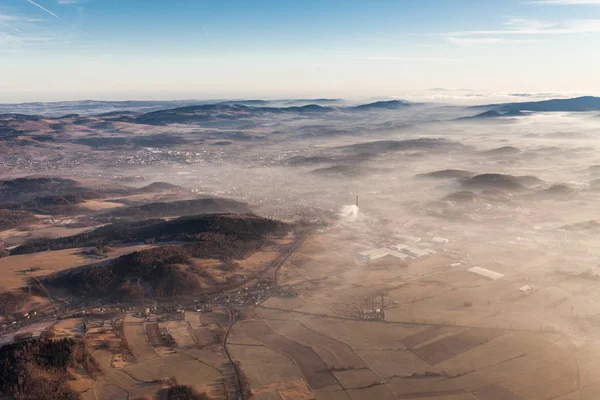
(356, 201)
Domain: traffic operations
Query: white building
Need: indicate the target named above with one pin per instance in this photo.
(407, 238)
(375, 254)
(486, 273)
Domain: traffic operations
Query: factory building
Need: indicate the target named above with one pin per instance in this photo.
(493, 275)
(408, 238)
(404, 251)
(375, 254)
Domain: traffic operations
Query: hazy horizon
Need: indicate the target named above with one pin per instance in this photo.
(88, 49)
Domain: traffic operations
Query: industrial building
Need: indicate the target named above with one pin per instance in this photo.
(407, 237)
(375, 254)
(404, 251)
(486, 273)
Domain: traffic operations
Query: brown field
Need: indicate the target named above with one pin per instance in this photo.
(116, 383)
(142, 373)
(362, 334)
(15, 237)
(428, 335)
(218, 316)
(135, 334)
(274, 395)
(180, 331)
(373, 392)
(391, 363)
(337, 355)
(509, 346)
(294, 390)
(432, 345)
(69, 327)
(358, 378)
(496, 392)
(15, 269)
(449, 347)
(332, 393)
(153, 334)
(186, 369)
(259, 259)
(465, 396)
(99, 205)
(264, 366)
(213, 357)
(413, 388)
(313, 368)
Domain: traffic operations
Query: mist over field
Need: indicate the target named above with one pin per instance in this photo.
(391, 249)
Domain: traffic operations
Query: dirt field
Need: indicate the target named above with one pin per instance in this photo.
(153, 334)
(98, 205)
(336, 355)
(69, 327)
(496, 392)
(265, 367)
(16, 271)
(136, 336)
(451, 346)
(432, 345)
(116, 383)
(16, 237)
(181, 333)
(393, 363)
(313, 368)
(428, 335)
(186, 369)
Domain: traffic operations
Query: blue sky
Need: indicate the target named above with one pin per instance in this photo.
(111, 49)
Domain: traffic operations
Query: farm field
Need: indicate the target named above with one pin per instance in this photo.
(430, 346)
(18, 269)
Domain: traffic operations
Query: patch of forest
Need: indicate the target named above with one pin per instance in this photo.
(10, 218)
(167, 270)
(179, 208)
(40, 369)
(48, 189)
(23, 189)
(10, 302)
(240, 227)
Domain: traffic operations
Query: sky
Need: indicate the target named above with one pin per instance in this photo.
(54, 50)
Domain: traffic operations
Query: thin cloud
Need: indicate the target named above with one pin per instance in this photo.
(11, 39)
(70, 2)
(478, 41)
(43, 8)
(566, 2)
(12, 21)
(526, 27)
(56, 16)
(401, 58)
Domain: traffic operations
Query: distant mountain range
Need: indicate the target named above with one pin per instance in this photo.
(93, 107)
(198, 113)
(576, 104)
(384, 105)
(190, 111)
(494, 114)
